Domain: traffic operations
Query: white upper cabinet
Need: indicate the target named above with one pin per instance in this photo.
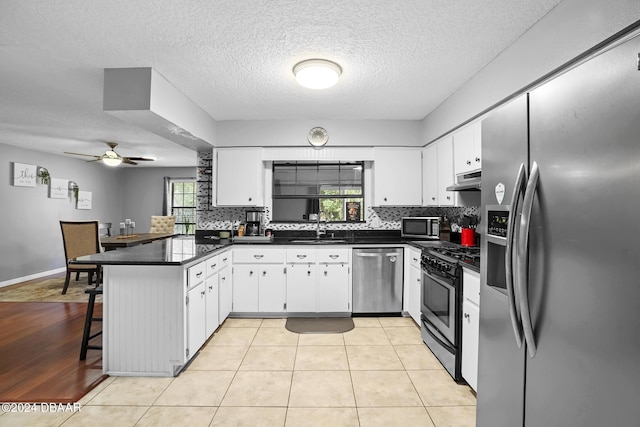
(446, 176)
(467, 144)
(239, 176)
(397, 177)
(430, 175)
(437, 169)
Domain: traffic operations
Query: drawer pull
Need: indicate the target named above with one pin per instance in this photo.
(199, 274)
(301, 256)
(334, 256)
(258, 256)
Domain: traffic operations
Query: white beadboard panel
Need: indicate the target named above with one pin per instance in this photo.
(144, 320)
(309, 154)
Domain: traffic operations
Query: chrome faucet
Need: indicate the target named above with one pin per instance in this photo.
(318, 231)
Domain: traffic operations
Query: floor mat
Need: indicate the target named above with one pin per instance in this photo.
(319, 325)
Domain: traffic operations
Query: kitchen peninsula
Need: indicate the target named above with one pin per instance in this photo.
(164, 299)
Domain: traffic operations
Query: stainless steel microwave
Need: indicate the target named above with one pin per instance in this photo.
(425, 227)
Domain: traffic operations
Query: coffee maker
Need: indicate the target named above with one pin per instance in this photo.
(253, 223)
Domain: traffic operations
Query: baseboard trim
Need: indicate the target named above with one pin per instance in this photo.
(32, 276)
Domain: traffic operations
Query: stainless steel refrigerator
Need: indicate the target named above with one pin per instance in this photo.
(560, 283)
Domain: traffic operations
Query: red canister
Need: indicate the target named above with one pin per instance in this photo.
(468, 237)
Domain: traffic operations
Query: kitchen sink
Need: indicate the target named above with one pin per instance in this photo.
(317, 241)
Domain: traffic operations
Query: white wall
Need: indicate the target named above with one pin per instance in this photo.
(255, 133)
(571, 28)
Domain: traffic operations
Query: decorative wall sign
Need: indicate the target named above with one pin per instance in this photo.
(58, 188)
(84, 200)
(24, 175)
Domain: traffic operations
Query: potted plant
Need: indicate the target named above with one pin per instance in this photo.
(43, 175)
(75, 189)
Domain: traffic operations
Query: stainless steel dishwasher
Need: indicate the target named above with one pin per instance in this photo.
(377, 280)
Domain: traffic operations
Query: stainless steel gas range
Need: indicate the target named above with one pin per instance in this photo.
(441, 302)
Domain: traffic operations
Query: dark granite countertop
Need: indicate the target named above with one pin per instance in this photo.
(184, 250)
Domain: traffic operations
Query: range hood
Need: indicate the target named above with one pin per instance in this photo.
(469, 181)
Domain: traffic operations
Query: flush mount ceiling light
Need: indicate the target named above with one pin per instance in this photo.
(317, 73)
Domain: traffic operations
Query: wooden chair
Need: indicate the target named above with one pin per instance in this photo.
(162, 224)
(80, 238)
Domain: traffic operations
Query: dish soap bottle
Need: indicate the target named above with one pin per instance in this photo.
(241, 230)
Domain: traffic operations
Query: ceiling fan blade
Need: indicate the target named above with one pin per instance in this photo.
(80, 154)
(139, 159)
(128, 161)
(95, 160)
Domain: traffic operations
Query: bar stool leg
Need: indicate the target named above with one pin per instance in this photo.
(86, 337)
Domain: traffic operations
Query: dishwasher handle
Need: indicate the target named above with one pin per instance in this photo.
(389, 254)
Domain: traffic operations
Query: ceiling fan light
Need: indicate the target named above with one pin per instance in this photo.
(317, 73)
(111, 158)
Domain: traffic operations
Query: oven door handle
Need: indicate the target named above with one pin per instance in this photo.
(438, 280)
(518, 189)
(523, 256)
(444, 344)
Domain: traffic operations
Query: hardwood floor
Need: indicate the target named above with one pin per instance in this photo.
(40, 349)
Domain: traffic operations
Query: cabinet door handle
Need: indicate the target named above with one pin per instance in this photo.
(202, 293)
(211, 287)
(448, 197)
(224, 259)
(301, 256)
(251, 273)
(213, 265)
(385, 199)
(258, 256)
(325, 273)
(264, 273)
(468, 162)
(466, 315)
(308, 273)
(477, 159)
(433, 198)
(199, 274)
(249, 198)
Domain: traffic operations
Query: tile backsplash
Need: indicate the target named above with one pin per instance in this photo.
(376, 218)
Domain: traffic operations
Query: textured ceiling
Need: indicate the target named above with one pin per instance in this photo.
(400, 60)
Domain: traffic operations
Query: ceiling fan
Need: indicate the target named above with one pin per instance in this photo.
(111, 158)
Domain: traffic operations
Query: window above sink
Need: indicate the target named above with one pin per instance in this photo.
(335, 190)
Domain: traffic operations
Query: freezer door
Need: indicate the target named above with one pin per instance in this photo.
(501, 363)
(583, 257)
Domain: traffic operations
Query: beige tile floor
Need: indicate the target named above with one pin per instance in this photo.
(253, 372)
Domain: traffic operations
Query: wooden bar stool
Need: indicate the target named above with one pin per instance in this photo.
(87, 336)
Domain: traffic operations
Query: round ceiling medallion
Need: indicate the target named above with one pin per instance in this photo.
(318, 137)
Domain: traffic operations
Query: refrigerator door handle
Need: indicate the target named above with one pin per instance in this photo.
(508, 262)
(523, 255)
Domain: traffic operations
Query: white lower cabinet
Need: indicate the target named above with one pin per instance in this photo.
(271, 289)
(470, 326)
(333, 288)
(211, 304)
(225, 293)
(245, 288)
(318, 280)
(301, 288)
(196, 318)
(412, 283)
(258, 280)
